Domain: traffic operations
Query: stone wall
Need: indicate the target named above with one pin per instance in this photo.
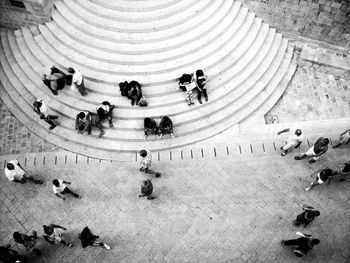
(324, 20)
(34, 12)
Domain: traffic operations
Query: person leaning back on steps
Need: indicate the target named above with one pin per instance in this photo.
(15, 173)
(77, 81)
(44, 112)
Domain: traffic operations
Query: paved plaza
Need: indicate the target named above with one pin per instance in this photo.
(211, 210)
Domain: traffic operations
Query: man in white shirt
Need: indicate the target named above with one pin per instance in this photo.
(59, 187)
(295, 138)
(77, 81)
(146, 163)
(44, 112)
(14, 172)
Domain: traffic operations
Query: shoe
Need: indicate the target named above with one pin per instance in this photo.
(132, 103)
(192, 102)
(160, 136)
(282, 148)
(52, 127)
(101, 134)
(189, 103)
(38, 181)
(283, 153)
(77, 196)
(70, 245)
(150, 197)
(298, 158)
(111, 124)
(206, 98)
(307, 189)
(158, 175)
(172, 135)
(312, 161)
(106, 246)
(145, 137)
(200, 102)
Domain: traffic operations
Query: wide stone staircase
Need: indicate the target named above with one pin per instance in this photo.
(154, 42)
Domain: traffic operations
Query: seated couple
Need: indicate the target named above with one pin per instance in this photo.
(165, 126)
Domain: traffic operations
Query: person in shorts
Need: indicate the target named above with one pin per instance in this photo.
(60, 188)
(295, 138)
(321, 178)
(15, 173)
(317, 150)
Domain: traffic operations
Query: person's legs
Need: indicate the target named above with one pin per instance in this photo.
(81, 88)
(309, 153)
(199, 97)
(110, 116)
(290, 242)
(313, 184)
(49, 119)
(99, 126)
(286, 147)
(32, 179)
(205, 94)
(69, 191)
(149, 171)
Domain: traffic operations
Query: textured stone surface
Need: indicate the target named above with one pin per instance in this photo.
(315, 93)
(17, 139)
(324, 20)
(233, 210)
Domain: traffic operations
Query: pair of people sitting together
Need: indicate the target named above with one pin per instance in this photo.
(165, 126)
(132, 90)
(57, 80)
(85, 120)
(187, 83)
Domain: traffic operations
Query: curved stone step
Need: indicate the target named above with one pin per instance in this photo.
(132, 6)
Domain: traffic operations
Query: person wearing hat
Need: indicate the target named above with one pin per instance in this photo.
(295, 138)
(315, 151)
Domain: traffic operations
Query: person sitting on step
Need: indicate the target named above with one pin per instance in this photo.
(201, 80)
(150, 126)
(147, 189)
(186, 84)
(104, 111)
(56, 80)
(165, 126)
(344, 138)
(134, 93)
(44, 112)
(83, 122)
(77, 81)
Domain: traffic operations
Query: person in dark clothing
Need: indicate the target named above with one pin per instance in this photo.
(27, 241)
(87, 238)
(321, 178)
(306, 217)
(320, 148)
(150, 126)
(8, 255)
(40, 107)
(165, 126)
(56, 80)
(303, 244)
(343, 172)
(134, 92)
(83, 122)
(201, 80)
(147, 189)
(104, 111)
(124, 88)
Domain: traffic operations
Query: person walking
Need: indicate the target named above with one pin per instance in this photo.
(321, 177)
(201, 80)
(87, 238)
(59, 187)
(303, 244)
(307, 216)
(28, 242)
(53, 234)
(315, 151)
(146, 163)
(15, 173)
(147, 189)
(8, 255)
(44, 112)
(295, 139)
(344, 138)
(77, 81)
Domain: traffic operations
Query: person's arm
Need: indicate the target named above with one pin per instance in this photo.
(58, 226)
(345, 132)
(77, 122)
(48, 240)
(285, 130)
(66, 182)
(22, 181)
(58, 195)
(307, 207)
(298, 145)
